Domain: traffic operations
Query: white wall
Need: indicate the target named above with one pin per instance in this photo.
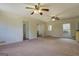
(33, 27)
(57, 29)
(10, 28)
(41, 28)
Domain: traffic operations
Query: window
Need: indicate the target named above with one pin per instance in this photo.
(66, 30)
(50, 28)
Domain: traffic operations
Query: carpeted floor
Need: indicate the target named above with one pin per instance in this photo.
(42, 47)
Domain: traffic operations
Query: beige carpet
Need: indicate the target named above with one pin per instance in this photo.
(42, 47)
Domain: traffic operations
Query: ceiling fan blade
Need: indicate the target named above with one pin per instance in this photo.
(29, 8)
(57, 18)
(32, 13)
(41, 13)
(45, 9)
(54, 17)
(36, 7)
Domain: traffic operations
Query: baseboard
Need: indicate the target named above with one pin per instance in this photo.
(33, 39)
(2, 42)
(27, 38)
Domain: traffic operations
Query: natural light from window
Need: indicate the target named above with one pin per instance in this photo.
(50, 28)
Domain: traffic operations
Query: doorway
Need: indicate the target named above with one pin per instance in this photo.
(40, 30)
(24, 31)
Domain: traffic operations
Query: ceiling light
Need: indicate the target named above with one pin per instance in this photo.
(39, 11)
(53, 19)
(36, 11)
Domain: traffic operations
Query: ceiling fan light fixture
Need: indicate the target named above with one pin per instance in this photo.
(53, 19)
(39, 11)
(36, 11)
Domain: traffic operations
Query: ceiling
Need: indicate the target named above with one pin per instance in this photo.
(62, 10)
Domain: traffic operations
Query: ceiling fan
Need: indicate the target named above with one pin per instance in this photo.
(37, 9)
(55, 18)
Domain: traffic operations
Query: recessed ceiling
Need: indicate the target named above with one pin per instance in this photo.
(62, 10)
